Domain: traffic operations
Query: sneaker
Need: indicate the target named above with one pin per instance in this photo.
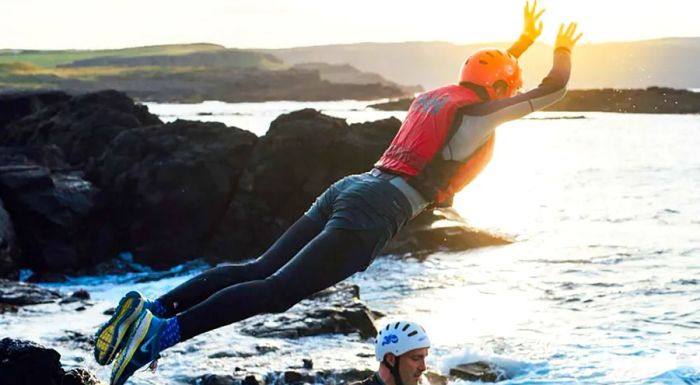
(143, 347)
(109, 338)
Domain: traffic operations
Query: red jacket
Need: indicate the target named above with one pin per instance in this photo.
(448, 135)
(423, 134)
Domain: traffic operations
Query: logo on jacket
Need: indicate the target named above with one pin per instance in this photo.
(431, 103)
(390, 339)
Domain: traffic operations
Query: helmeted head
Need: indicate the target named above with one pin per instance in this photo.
(402, 347)
(495, 70)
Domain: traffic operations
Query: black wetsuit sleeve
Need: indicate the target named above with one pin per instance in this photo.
(520, 46)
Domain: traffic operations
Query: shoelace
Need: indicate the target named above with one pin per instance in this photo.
(153, 366)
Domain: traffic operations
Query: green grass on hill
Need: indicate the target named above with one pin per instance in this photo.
(54, 58)
(31, 76)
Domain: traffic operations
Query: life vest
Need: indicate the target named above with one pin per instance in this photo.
(416, 152)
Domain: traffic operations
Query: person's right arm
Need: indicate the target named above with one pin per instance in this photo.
(551, 89)
(479, 121)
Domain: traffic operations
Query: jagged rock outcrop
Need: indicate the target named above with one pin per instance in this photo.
(166, 188)
(337, 309)
(28, 363)
(81, 126)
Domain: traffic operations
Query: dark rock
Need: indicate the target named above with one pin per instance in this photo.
(28, 363)
(15, 106)
(81, 294)
(650, 100)
(215, 379)
(81, 127)
(341, 377)
(292, 377)
(250, 380)
(242, 377)
(231, 354)
(20, 293)
(479, 371)
(165, 188)
(334, 310)
(9, 248)
(77, 340)
(46, 155)
(51, 214)
(264, 349)
(436, 378)
(308, 363)
(6, 308)
(80, 376)
(440, 230)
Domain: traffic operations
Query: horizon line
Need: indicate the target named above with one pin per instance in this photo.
(333, 44)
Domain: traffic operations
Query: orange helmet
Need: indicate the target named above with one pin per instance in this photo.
(490, 66)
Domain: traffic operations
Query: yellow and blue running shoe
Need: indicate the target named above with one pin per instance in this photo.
(110, 336)
(142, 347)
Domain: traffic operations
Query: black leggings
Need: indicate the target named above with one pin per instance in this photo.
(306, 259)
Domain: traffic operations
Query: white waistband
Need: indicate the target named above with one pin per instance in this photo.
(418, 203)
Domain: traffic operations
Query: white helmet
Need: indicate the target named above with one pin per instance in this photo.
(399, 337)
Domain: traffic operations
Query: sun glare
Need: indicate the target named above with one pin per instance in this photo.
(501, 197)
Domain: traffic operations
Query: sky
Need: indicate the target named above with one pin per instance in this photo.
(91, 24)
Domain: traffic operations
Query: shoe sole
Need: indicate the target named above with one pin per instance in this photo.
(135, 338)
(111, 334)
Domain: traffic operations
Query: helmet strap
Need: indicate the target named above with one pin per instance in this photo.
(394, 369)
(480, 91)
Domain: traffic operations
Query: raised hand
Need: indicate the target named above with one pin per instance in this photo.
(565, 38)
(532, 29)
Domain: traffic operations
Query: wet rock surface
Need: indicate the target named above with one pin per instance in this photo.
(77, 340)
(479, 371)
(20, 293)
(50, 212)
(335, 310)
(166, 188)
(9, 248)
(289, 377)
(80, 376)
(27, 363)
(14, 106)
(443, 230)
(81, 126)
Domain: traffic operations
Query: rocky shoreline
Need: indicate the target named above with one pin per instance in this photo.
(337, 310)
(653, 100)
(84, 178)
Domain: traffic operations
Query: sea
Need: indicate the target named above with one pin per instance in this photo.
(600, 286)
